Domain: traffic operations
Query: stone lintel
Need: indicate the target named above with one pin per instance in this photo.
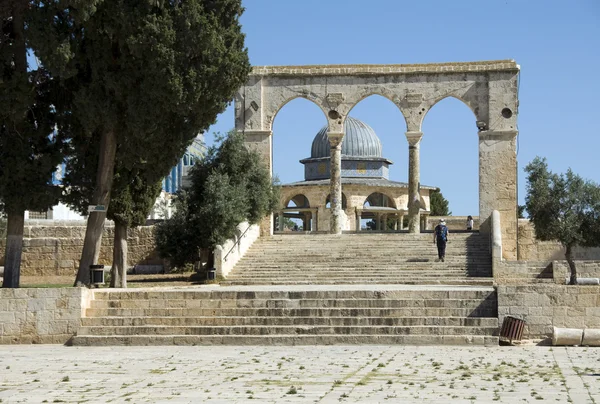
(414, 137)
(391, 69)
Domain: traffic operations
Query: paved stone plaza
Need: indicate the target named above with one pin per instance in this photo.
(307, 374)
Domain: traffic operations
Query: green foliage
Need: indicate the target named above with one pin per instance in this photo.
(563, 208)
(155, 73)
(438, 204)
(29, 149)
(229, 185)
(174, 239)
(521, 211)
(144, 69)
(287, 222)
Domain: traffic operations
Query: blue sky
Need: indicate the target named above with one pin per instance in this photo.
(556, 43)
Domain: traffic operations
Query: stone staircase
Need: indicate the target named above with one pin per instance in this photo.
(292, 315)
(301, 289)
(364, 258)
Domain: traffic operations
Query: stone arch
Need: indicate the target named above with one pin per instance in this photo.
(383, 92)
(430, 106)
(271, 115)
(300, 200)
(489, 88)
(380, 199)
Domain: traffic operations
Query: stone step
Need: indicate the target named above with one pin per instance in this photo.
(481, 311)
(295, 321)
(313, 292)
(287, 330)
(289, 303)
(483, 281)
(323, 339)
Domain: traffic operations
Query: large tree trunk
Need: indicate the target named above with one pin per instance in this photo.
(118, 272)
(16, 217)
(14, 248)
(95, 223)
(569, 256)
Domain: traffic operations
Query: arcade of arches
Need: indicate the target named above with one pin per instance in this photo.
(489, 88)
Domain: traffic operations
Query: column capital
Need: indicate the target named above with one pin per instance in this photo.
(413, 137)
(335, 138)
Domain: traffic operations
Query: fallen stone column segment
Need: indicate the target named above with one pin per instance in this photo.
(591, 337)
(567, 336)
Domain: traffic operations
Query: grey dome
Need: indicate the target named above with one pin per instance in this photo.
(360, 140)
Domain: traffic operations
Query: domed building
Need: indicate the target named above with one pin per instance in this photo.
(367, 192)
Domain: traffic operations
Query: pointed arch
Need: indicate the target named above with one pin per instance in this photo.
(379, 199)
(382, 92)
(299, 201)
(436, 101)
(291, 97)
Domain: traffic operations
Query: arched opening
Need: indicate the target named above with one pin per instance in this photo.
(299, 201)
(389, 125)
(379, 213)
(296, 215)
(294, 127)
(449, 154)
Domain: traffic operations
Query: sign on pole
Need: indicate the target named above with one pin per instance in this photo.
(96, 208)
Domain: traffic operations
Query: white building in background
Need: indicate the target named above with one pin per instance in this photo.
(177, 178)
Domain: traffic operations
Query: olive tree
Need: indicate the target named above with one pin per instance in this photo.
(563, 208)
(229, 185)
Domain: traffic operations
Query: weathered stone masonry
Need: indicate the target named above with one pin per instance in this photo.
(489, 89)
(54, 247)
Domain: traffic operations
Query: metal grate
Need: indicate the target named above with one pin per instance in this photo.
(512, 329)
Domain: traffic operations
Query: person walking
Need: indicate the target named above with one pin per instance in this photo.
(440, 237)
(470, 222)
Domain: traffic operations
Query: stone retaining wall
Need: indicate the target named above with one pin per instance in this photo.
(545, 306)
(530, 249)
(40, 316)
(585, 269)
(54, 247)
(453, 222)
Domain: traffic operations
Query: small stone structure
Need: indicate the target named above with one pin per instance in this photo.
(489, 88)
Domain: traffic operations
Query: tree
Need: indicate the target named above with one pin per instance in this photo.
(438, 204)
(229, 185)
(133, 195)
(30, 149)
(521, 211)
(140, 70)
(563, 208)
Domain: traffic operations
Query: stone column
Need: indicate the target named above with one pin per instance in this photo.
(335, 187)
(414, 199)
(358, 217)
(498, 185)
(402, 222)
(262, 141)
(280, 227)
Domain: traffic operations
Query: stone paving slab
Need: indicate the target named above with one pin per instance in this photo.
(302, 374)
